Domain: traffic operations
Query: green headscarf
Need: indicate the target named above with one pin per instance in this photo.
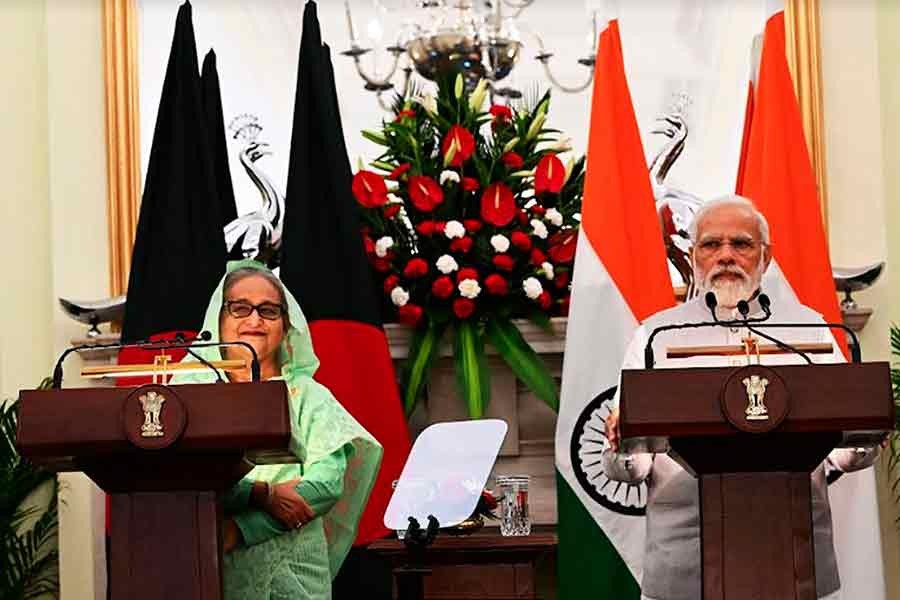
(320, 425)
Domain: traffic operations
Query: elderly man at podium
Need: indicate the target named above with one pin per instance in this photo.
(729, 257)
(288, 527)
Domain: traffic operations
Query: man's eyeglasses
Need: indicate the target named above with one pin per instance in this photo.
(742, 246)
(241, 309)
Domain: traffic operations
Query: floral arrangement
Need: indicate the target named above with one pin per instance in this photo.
(470, 219)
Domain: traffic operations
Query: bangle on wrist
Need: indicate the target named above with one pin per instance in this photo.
(270, 493)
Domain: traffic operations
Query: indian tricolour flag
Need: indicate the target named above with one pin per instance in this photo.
(620, 279)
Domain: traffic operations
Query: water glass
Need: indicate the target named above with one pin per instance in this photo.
(513, 500)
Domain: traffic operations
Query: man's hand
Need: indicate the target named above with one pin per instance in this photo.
(612, 429)
(287, 506)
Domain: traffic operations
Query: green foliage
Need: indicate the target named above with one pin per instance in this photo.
(30, 559)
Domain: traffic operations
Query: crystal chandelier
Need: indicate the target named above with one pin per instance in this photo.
(446, 37)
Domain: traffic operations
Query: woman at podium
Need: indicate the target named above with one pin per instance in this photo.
(288, 527)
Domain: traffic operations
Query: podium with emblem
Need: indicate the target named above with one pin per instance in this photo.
(752, 436)
(165, 454)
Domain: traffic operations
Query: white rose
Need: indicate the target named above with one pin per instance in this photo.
(500, 243)
(532, 288)
(577, 217)
(382, 246)
(454, 229)
(548, 270)
(539, 229)
(446, 264)
(399, 296)
(448, 175)
(469, 288)
(395, 199)
(554, 216)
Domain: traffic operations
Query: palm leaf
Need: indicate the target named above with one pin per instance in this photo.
(472, 375)
(523, 361)
(423, 349)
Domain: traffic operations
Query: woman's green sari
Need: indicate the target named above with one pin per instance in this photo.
(300, 563)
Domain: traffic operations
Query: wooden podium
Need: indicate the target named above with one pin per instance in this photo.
(752, 436)
(165, 454)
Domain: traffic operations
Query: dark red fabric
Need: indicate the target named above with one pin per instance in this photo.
(356, 366)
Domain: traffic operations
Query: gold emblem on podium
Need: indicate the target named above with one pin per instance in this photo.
(756, 392)
(152, 403)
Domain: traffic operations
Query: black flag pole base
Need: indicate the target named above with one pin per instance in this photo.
(411, 576)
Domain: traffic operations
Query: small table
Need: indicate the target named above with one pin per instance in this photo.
(483, 565)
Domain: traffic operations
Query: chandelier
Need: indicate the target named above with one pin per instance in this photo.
(447, 37)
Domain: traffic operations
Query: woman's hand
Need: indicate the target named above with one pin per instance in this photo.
(612, 429)
(286, 505)
(231, 535)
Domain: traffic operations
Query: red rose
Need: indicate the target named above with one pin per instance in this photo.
(439, 227)
(369, 245)
(425, 193)
(501, 113)
(425, 228)
(496, 285)
(398, 171)
(462, 140)
(549, 174)
(409, 314)
(512, 160)
(463, 244)
(537, 257)
(538, 210)
(390, 282)
(498, 207)
(416, 267)
(504, 262)
(472, 225)
(463, 308)
(561, 246)
(405, 114)
(469, 184)
(522, 217)
(382, 265)
(391, 210)
(369, 189)
(466, 273)
(544, 300)
(520, 240)
(442, 287)
(561, 280)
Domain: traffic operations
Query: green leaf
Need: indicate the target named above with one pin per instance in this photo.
(423, 349)
(522, 360)
(471, 369)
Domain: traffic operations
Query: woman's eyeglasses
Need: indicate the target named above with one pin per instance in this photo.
(241, 309)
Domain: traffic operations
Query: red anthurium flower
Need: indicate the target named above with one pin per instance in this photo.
(561, 246)
(391, 210)
(463, 308)
(561, 279)
(460, 137)
(469, 184)
(496, 285)
(463, 244)
(390, 282)
(369, 189)
(501, 113)
(520, 240)
(405, 114)
(398, 171)
(425, 193)
(537, 257)
(409, 314)
(504, 262)
(512, 160)
(498, 207)
(472, 225)
(416, 267)
(537, 210)
(544, 300)
(369, 245)
(442, 287)
(466, 273)
(425, 228)
(549, 175)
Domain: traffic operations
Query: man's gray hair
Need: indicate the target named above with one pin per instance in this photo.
(737, 202)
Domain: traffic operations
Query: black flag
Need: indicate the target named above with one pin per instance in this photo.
(179, 249)
(215, 127)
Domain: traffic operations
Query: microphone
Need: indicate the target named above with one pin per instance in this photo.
(711, 303)
(179, 337)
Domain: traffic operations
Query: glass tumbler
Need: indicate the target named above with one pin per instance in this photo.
(513, 499)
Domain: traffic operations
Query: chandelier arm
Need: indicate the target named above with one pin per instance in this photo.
(374, 81)
(384, 106)
(567, 89)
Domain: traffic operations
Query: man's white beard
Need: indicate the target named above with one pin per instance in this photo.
(729, 291)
